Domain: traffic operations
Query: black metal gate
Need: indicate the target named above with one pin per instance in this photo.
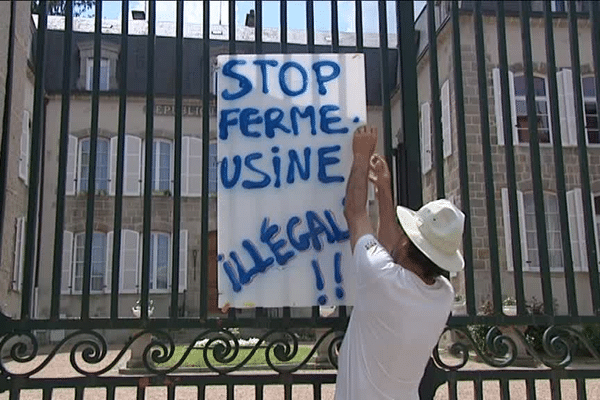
(109, 261)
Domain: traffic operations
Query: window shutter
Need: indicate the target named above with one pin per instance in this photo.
(185, 145)
(104, 74)
(562, 109)
(570, 105)
(25, 141)
(132, 166)
(129, 261)
(183, 258)
(425, 138)
(112, 186)
(194, 167)
(513, 106)
(507, 230)
(446, 119)
(67, 262)
(523, 231)
(90, 73)
(17, 281)
(498, 109)
(507, 235)
(577, 230)
(109, 252)
(71, 166)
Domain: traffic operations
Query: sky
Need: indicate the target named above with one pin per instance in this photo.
(165, 11)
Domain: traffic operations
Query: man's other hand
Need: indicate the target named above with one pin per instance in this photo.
(379, 173)
(364, 141)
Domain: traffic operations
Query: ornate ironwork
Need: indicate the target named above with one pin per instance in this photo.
(88, 348)
(500, 350)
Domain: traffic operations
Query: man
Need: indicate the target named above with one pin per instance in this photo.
(402, 301)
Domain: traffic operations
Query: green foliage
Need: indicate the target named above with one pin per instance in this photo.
(592, 334)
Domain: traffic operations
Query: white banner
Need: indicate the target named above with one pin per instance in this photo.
(285, 125)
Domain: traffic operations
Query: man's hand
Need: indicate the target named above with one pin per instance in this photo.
(379, 174)
(364, 141)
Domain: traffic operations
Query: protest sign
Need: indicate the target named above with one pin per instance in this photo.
(285, 126)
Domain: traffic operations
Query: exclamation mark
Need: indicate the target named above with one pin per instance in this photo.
(322, 300)
(337, 274)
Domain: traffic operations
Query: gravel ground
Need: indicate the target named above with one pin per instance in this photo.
(60, 366)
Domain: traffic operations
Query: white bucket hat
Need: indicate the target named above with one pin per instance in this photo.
(436, 229)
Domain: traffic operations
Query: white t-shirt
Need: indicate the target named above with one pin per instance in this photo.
(395, 324)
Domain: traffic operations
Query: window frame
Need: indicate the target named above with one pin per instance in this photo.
(89, 69)
(81, 177)
(591, 99)
(156, 165)
(153, 275)
(75, 262)
(546, 98)
(528, 229)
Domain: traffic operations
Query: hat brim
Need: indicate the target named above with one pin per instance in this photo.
(451, 262)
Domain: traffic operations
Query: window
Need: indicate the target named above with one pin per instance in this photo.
(552, 231)
(160, 254)
(541, 107)
(518, 108)
(104, 74)
(161, 261)
(99, 262)
(588, 85)
(528, 231)
(161, 168)
(101, 165)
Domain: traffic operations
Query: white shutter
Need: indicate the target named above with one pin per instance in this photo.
(446, 119)
(577, 230)
(513, 106)
(498, 110)
(109, 252)
(70, 183)
(523, 231)
(104, 74)
(132, 166)
(129, 261)
(570, 105)
(67, 261)
(194, 167)
(183, 258)
(562, 109)
(17, 281)
(90, 73)
(112, 187)
(498, 96)
(185, 145)
(425, 138)
(507, 235)
(507, 230)
(25, 142)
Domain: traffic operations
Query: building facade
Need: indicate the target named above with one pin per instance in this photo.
(134, 159)
(17, 159)
(522, 157)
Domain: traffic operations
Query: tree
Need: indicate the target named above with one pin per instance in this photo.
(58, 7)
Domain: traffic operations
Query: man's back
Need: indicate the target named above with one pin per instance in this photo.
(395, 324)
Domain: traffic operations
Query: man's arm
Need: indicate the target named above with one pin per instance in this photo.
(387, 229)
(355, 210)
